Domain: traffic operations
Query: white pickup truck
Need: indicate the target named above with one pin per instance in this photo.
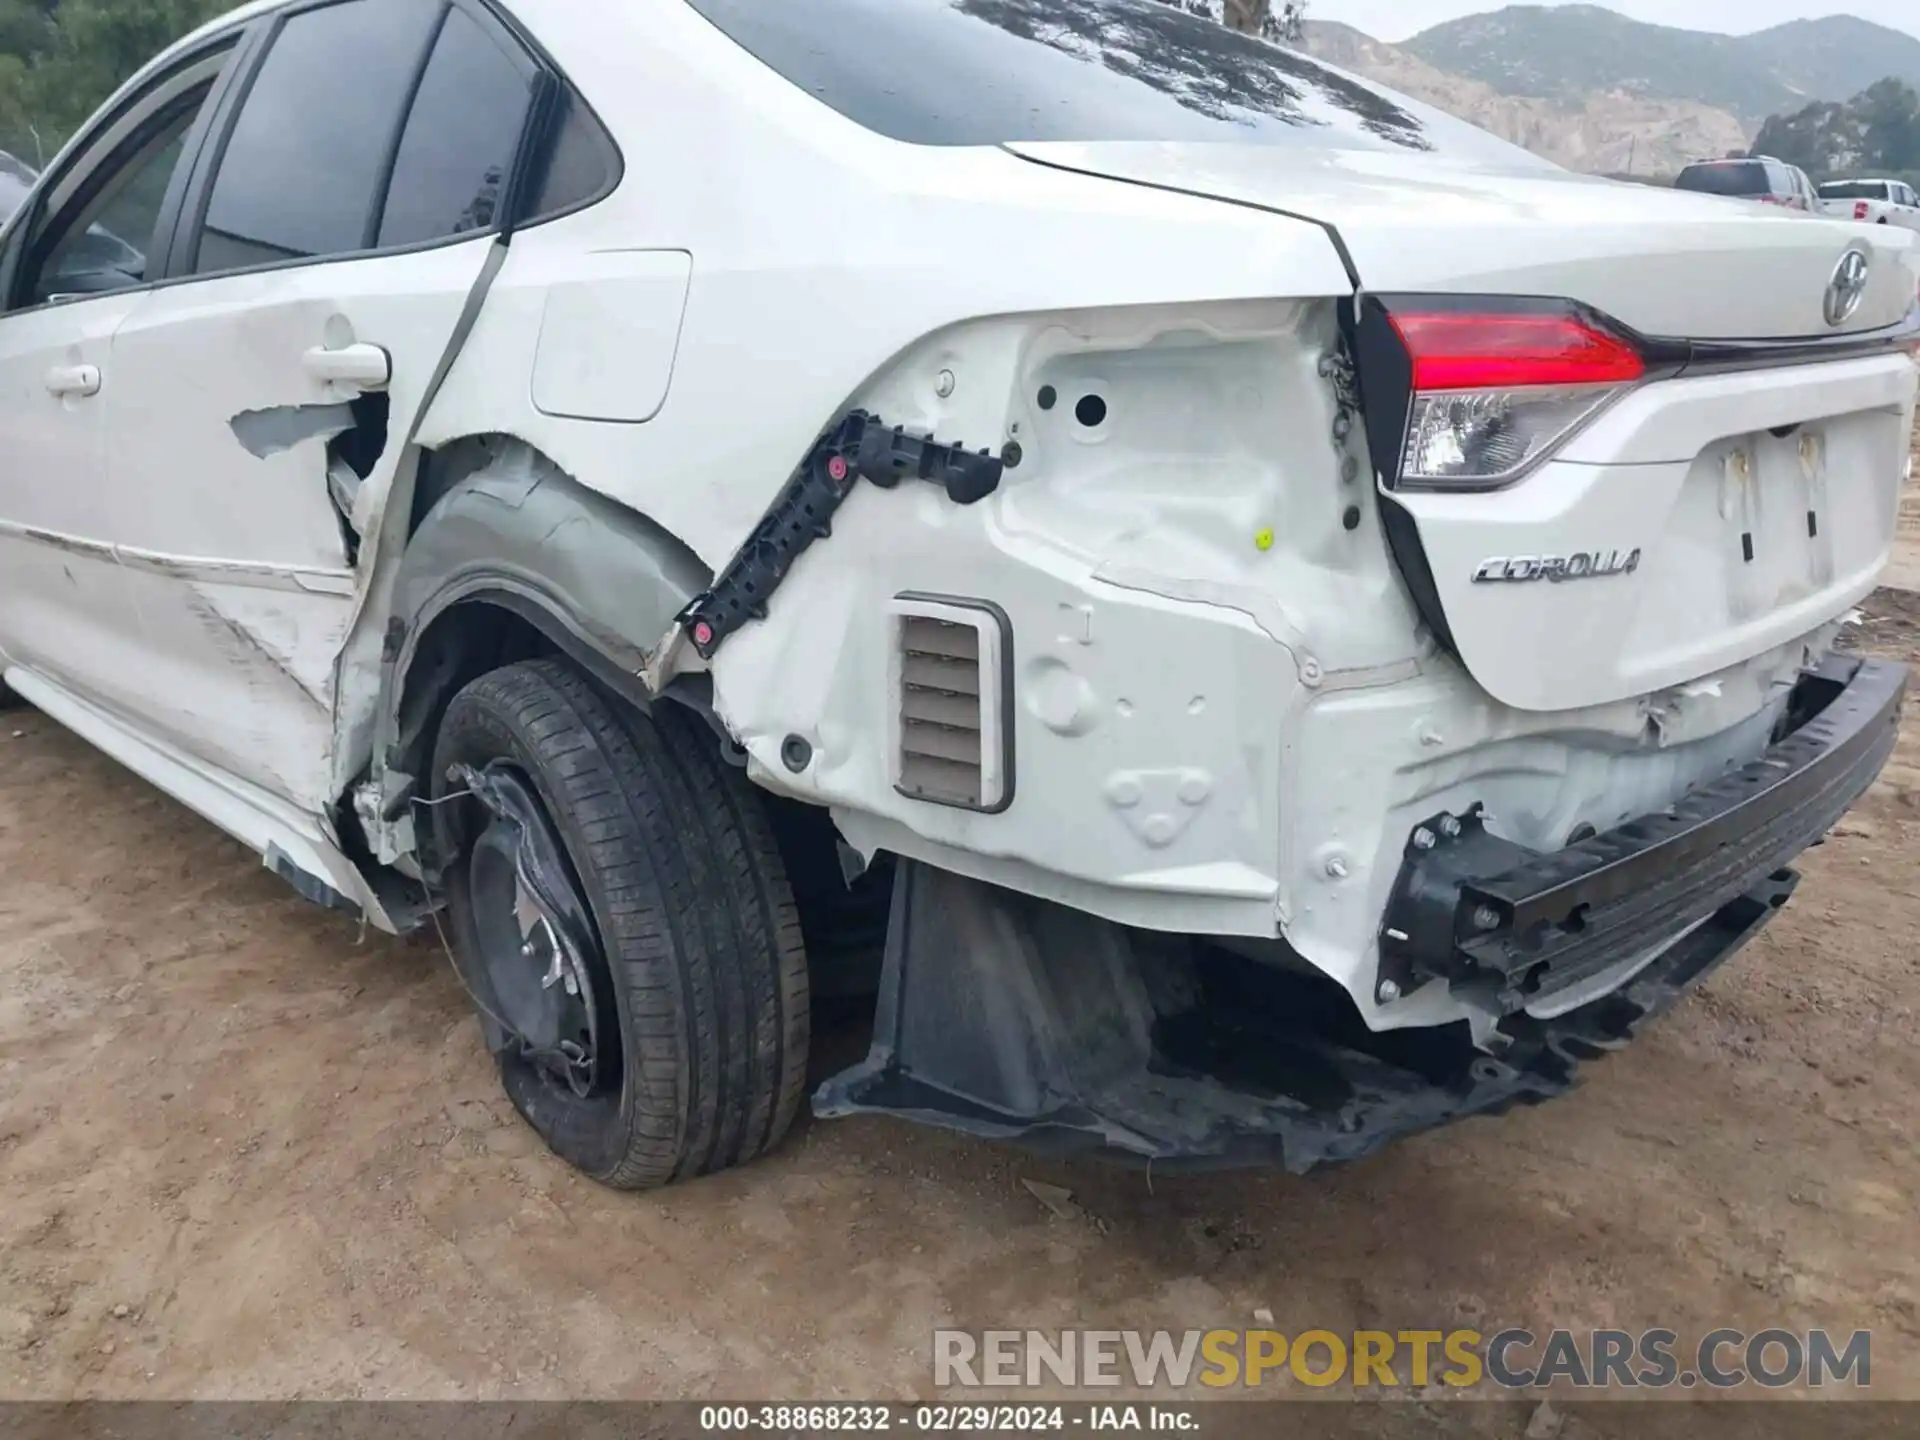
(1878, 202)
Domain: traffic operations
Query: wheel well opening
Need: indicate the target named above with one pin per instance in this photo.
(457, 648)
(441, 470)
(843, 909)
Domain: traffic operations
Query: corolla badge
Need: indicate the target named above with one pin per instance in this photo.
(1847, 288)
(1582, 565)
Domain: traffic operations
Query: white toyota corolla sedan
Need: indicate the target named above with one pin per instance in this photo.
(1256, 617)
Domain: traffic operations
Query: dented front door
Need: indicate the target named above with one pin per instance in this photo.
(62, 607)
(258, 419)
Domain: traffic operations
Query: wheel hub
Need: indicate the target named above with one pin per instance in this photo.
(538, 957)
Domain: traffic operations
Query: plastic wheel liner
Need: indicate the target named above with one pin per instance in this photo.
(1011, 1017)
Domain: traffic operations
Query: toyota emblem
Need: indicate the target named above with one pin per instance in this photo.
(1847, 288)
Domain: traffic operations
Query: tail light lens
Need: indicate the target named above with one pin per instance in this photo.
(1860, 210)
(1496, 390)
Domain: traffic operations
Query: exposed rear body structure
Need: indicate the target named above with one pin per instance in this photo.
(1282, 619)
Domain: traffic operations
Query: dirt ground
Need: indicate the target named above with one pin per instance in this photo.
(248, 1152)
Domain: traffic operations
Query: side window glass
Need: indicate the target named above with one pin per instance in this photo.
(101, 244)
(458, 148)
(301, 173)
(583, 165)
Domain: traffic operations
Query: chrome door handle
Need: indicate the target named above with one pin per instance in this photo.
(73, 380)
(352, 367)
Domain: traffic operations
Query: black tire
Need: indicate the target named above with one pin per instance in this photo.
(698, 937)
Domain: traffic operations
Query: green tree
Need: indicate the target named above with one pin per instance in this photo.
(60, 58)
(1889, 117)
(1878, 132)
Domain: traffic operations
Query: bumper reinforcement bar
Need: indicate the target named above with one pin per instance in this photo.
(1519, 927)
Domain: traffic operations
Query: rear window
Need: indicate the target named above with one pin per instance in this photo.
(1854, 190)
(983, 72)
(1742, 177)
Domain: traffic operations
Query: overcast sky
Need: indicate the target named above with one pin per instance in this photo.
(1397, 19)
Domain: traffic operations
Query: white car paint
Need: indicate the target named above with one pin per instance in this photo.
(1717, 270)
(62, 587)
(609, 335)
(291, 604)
(1678, 472)
(1226, 710)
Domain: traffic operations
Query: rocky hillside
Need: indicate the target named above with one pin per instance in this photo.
(1596, 91)
(1575, 51)
(1603, 132)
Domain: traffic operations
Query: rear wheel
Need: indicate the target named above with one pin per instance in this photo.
(620, 914)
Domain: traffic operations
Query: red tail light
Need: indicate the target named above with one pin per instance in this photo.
(1467, 351)
(1860, 210)
(1495, 387)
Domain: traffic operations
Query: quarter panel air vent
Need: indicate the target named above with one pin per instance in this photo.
(952, 736)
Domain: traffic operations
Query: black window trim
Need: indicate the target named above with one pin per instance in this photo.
(532, 155)
(184, 209)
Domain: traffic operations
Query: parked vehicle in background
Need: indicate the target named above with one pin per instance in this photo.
(1876, 202)
(98, 252)
(16, 179)
(1759, 178)
(1272, 618)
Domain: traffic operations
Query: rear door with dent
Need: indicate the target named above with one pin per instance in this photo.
(335, 230)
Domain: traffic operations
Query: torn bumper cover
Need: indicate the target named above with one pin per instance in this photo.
(1014, 1018)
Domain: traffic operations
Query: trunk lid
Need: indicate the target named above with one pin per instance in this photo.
(1665, 262)
(1707, 518)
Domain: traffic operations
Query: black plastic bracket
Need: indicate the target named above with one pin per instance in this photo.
(859, 445)
(1421, 937)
